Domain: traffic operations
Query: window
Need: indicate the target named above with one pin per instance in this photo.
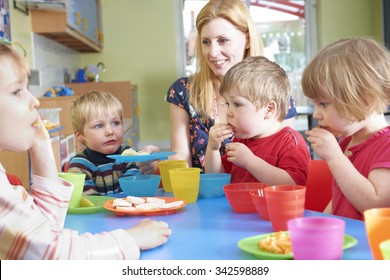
(287, 29)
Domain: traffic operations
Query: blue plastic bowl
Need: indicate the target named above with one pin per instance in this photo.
(211, 184)
(140, 185)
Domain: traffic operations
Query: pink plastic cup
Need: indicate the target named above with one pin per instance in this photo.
(258, 200)
(317, 238)
(284, 202)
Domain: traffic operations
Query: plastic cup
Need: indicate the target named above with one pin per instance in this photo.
(77, 179)
(385, 249)
(260, 203)
(317, 238)
(185, 183)
(377, 223)
(284, 202)
(164, 167)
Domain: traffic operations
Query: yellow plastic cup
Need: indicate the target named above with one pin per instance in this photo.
(77, 179)
(185, 183)
(164, 167)
(385, 249)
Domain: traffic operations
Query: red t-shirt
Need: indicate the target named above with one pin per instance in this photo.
(285, 149)
(372, 153)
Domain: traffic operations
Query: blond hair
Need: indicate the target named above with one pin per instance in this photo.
(259, 80)
(7, 51)
(353, 74)
(92, 104)
(204, 85)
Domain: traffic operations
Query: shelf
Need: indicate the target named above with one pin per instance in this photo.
(53, 25)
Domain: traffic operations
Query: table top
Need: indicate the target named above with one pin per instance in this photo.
(207, 230)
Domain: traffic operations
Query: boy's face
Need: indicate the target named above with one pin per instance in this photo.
(18, 109)
(103, 133)
(245, 120)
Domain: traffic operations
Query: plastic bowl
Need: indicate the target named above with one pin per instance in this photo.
(211, 184)
(140, 185)
(239, 198)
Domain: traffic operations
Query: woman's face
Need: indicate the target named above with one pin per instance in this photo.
(223, 45)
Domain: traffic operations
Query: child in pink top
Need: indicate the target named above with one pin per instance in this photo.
(263, 149)
(31, 222)
(349, 85)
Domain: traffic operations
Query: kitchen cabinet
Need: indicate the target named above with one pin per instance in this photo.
(78, 27)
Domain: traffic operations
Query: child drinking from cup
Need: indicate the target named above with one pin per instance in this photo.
(31, 222)
(97, 122)
(349, 84)
(263, 149)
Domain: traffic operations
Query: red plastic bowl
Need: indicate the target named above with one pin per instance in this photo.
(239, 198)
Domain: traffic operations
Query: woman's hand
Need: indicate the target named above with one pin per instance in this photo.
(150, 166)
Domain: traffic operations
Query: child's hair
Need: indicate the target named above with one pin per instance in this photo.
(92, 104)
(6, 50)
(353, 74)
(259, 80)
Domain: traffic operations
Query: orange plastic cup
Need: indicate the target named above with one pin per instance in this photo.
(377, 222)
(259, 201)
(164, 167)
(284, 202)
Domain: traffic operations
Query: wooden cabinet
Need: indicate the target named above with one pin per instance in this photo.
(79, 27)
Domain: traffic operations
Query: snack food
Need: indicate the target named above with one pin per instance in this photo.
(277, 243)
(133, 203)
(129, 152)
(132, 152)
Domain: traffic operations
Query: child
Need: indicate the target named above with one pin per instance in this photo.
(263, 149)
(31, 223)
(97, 122)
(349, 85)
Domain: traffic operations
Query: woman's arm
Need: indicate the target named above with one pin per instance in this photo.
(180, 134)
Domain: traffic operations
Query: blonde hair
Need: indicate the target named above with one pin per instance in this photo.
(7, 51)
(92, 104)
(259, 80)
(353, 74)
(204, 84)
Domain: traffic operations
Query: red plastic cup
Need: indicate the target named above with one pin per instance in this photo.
(317, 238)
(284, 202)
(258, 200)
(377, 223)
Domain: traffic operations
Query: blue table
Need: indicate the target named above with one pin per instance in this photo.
(207, 230)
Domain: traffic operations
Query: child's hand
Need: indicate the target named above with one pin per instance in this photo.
(217, 134)
(150, 166)
(239, 154)
(149, 233)
(323, 143)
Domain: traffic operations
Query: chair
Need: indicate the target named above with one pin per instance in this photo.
(318, 186)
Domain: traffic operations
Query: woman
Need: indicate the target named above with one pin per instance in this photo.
(226, 35)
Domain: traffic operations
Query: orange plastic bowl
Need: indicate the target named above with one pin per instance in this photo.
(239, 198)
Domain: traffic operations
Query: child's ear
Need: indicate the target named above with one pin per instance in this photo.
(79, 137)
(270, 109)
(247, 39)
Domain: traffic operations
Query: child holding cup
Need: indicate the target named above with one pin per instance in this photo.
(31, 223)
(263, 149)
(349, 84)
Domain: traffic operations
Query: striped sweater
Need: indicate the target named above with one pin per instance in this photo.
(102, 173)
(31, 226)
